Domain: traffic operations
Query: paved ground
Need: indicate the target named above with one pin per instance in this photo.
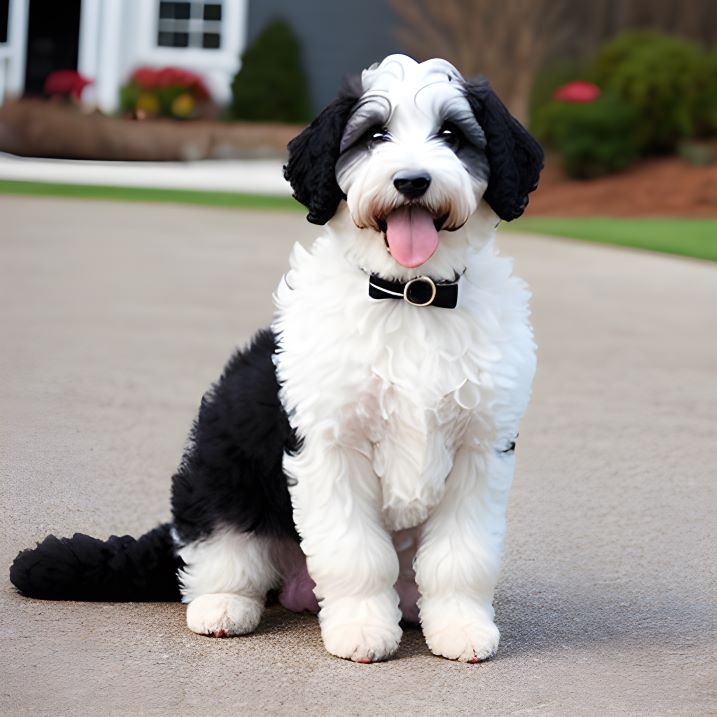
(115, 317)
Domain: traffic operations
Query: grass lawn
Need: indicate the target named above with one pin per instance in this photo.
(688, 237)
(143, 194)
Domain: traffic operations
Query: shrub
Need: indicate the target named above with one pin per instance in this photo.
(593, 138)
(271, 85)
(165, 92)
(708, 105)
(661, 77)
(549, 78)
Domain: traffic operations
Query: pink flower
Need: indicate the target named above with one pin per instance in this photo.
(577, 91)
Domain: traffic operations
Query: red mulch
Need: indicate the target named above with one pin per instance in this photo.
(655, 187)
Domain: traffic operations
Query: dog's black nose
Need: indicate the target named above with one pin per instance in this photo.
(412, 184)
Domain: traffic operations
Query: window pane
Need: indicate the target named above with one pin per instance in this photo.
(173, 39)
(212, 11)
(211, 40)
(181, 10)
(174, 10)
(181, 39)
(166, 10)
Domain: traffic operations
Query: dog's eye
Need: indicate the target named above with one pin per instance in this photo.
(451, 135)
(376, 135)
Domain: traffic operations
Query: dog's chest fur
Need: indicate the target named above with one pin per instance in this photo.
(405, 387)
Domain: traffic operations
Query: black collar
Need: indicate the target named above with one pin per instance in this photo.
(421, 291)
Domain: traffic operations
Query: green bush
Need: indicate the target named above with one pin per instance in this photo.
(661, 78)
(551, 76)
(708, 106)
(271, 85)
(593, 138)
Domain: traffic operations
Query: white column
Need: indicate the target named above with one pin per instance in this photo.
(88, 58)
(17, 41)
(4, 62)
(110, 35)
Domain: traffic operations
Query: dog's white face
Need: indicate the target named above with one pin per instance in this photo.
(412, 165)
(412, 162)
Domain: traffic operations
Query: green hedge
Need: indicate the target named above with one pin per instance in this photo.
(657, 92)
(708, 104)
(662, 78)
(593, 138)
(271, 85)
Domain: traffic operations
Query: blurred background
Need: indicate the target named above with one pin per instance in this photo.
(623, 93)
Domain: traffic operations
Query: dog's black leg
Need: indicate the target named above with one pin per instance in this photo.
(230, 499)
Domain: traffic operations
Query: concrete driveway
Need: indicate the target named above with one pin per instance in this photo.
(114, 318)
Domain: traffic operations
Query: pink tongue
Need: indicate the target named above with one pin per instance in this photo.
(412, 237)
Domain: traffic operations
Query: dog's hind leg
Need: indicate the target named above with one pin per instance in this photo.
(458, 560)
(230, 500)
(225, 581)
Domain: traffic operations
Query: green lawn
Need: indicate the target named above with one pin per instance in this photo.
(688, 237)
(181, 196)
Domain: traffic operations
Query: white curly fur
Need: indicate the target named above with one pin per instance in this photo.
(405, 413)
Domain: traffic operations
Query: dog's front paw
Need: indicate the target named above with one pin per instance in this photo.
(361, 629)
(223, 614)
(459, 629)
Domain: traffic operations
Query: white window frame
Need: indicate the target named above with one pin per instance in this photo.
(233, 24)
(194, 26)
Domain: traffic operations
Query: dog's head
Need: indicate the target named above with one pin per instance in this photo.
(417, 153)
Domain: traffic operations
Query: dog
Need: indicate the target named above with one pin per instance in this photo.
(355, 459)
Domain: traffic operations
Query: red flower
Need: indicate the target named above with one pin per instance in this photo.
(149, 78)
(145, 77)
(66, 82)
(578, 91)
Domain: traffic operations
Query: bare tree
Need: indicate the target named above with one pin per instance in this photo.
(506, 40)
(597, 21)
(509, 40)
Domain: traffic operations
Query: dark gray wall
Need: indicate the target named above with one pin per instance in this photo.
(338, 37)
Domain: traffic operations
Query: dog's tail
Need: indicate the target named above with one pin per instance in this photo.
(121, 568)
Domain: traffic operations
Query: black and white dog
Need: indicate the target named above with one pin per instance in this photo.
(357, 456)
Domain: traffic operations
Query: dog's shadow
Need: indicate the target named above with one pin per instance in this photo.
(539, 617)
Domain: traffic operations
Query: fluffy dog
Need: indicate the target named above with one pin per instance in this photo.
(357, 456)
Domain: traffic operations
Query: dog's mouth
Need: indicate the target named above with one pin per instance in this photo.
(411, 234)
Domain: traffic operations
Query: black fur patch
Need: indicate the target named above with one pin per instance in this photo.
(311, 169)
(514, 155)
(231, 474)
(85, 568)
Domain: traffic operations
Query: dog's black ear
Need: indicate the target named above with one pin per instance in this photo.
(311, 169)
(514, 155)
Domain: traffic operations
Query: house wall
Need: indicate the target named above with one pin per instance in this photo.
(338, 37)
(116, 36)
(110, 55)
